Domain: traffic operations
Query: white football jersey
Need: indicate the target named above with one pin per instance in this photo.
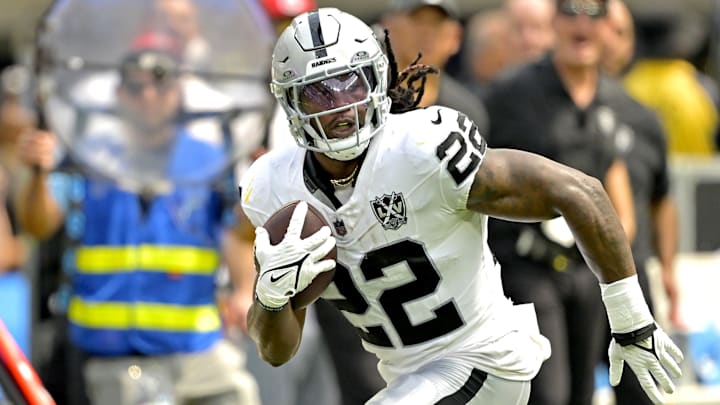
(414, 272)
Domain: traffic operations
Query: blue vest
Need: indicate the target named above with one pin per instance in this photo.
(143, 277)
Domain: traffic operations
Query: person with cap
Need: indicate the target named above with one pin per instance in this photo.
(640, 140)
(558, 106)
(141, 305)
(429, 31)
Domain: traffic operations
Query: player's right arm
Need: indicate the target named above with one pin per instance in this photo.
(282, 269)
(276, 334)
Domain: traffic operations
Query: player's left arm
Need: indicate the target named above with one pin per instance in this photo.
(522, 186)
(517, 185)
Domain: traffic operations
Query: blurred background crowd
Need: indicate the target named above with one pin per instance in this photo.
(125, 268)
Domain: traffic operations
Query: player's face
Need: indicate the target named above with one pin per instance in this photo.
(578, 28)
(334, 93)
(149, 101)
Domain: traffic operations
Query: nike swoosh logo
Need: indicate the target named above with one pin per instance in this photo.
(274, 279)
(438, 121)
(290, 266)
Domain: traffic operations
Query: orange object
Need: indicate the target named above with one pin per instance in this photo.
(21, 371)
(279, 9)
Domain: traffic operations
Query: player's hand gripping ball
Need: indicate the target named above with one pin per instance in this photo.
(295, 255)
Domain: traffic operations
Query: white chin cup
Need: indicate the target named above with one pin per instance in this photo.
(349, 148)
(349, 153)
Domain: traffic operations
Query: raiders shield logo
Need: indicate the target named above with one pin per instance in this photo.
(390, 210)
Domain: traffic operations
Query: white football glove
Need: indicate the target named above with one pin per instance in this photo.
(291, 265)
(637, 340)
(648, 359)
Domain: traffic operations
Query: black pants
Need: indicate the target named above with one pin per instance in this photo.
(570, 315)
(629, 391)
(62, 372)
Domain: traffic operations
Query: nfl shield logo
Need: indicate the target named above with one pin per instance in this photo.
(390, 210)
(340, 227)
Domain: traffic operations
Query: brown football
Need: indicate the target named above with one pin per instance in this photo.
(276, 227)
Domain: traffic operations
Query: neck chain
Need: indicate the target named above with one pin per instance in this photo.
(346, 181)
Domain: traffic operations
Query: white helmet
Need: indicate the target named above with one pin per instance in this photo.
(334, 59)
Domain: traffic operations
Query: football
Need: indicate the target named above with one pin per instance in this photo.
(276, 227)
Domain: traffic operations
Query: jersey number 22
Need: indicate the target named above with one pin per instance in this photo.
(446, 317)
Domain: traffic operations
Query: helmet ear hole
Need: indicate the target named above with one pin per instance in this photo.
(375, 121)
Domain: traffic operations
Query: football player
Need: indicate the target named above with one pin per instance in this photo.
(408, 192)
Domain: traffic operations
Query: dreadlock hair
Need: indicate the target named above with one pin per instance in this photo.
(406, 97)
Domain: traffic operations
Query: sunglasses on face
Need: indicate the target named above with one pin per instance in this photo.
(137, 87)
(592, 9)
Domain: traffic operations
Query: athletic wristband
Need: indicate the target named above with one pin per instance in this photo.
(267, 308)
(626, 339)
(625, 305)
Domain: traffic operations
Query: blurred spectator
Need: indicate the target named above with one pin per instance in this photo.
(15, 301)
(532, 21)
(554, 107)
(640, 141)
(282, 12)
(10, 252)
(669, 35)
(14, 120)
(143, 299)
(490, 47)
(619, 40)
(179, 17)
(431, 28)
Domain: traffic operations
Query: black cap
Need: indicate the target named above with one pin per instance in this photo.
(155, 52)
(162, 65)
(450, 7)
